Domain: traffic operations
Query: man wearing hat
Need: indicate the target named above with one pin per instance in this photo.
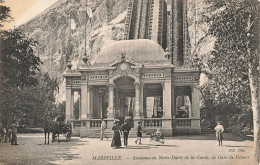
(219, 132)
(139, 133)
(103, 128)
(125, 128)
(14, 132)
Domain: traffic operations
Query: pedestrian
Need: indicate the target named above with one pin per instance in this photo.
(103, 128)
(125, 128)
(139, 133)
(5, 134)
(8, 134)
(14, 133)
(116, 141)
(219, 132)
(1, 133)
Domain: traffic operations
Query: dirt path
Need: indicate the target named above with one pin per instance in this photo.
(176, 150)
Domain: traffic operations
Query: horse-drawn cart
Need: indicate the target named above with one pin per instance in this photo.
(62, 128)
(57, 127)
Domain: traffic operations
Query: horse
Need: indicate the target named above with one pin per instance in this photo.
(56, 128)
(51, 127)
(47, 127)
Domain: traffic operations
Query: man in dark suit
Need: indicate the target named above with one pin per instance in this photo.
(14, 132)
(125, 129)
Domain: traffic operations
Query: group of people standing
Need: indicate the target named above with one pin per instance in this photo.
(9, 134)
(125, 129)
(117, 130)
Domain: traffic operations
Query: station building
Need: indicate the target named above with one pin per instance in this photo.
(148, 76)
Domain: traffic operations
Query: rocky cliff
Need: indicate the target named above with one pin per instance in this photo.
(60, 32)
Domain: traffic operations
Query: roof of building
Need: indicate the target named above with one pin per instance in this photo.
(140, 50)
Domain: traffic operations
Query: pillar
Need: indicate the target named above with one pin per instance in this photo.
(110, 109)
(195, 111)
(167, 109)
(111, 101)
(79, 92)
(85, 111)
(88, 102)
(72, 104)
(68, 103)
(167, 99)
(137, 101)
(91, 109)
(142, 100)
(173, 102)
(84, 101)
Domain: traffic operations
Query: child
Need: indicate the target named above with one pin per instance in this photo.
(219, 133)
(158, 133)
(139, 133)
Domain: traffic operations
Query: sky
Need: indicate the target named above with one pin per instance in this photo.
(23, 10)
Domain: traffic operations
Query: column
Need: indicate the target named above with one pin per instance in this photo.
(111, 101)
(68, 103)
(85, 110)
(91, 109)
(167, 99)
(72, 104)
(88, 101)
(84, 101)
(173, 102)
(167, 115)
(79, 92)
(142, 100)
(195, 110)
(137, 101)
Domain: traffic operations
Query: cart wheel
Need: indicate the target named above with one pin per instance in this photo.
(163, 141)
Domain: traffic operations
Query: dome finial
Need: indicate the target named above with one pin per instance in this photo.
(122, 56)
(69, 65)
(85, 59)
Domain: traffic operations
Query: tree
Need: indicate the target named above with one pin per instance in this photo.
(18, 62)
(4, 15)
(235, 25)
(18, 66)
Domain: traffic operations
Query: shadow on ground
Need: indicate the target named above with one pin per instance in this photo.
(32, 150)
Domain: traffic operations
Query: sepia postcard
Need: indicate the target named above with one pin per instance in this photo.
(129, 82)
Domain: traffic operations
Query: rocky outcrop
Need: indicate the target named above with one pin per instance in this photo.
(58, 43)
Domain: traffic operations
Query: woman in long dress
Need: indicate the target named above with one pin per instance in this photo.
(116, 141)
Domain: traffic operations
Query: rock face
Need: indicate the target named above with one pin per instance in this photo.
(60, 32)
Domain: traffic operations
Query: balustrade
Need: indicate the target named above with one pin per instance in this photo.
(182, 122)
(95, 123)
(152, 122)
(76, 124)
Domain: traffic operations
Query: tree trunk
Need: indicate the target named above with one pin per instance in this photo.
(255, 93)
(254, 82)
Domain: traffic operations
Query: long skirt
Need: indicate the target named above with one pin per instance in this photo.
(116, 141)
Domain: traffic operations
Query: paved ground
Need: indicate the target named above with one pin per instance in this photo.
(177, 150)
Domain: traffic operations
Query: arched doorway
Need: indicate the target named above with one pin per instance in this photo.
(124, 98)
